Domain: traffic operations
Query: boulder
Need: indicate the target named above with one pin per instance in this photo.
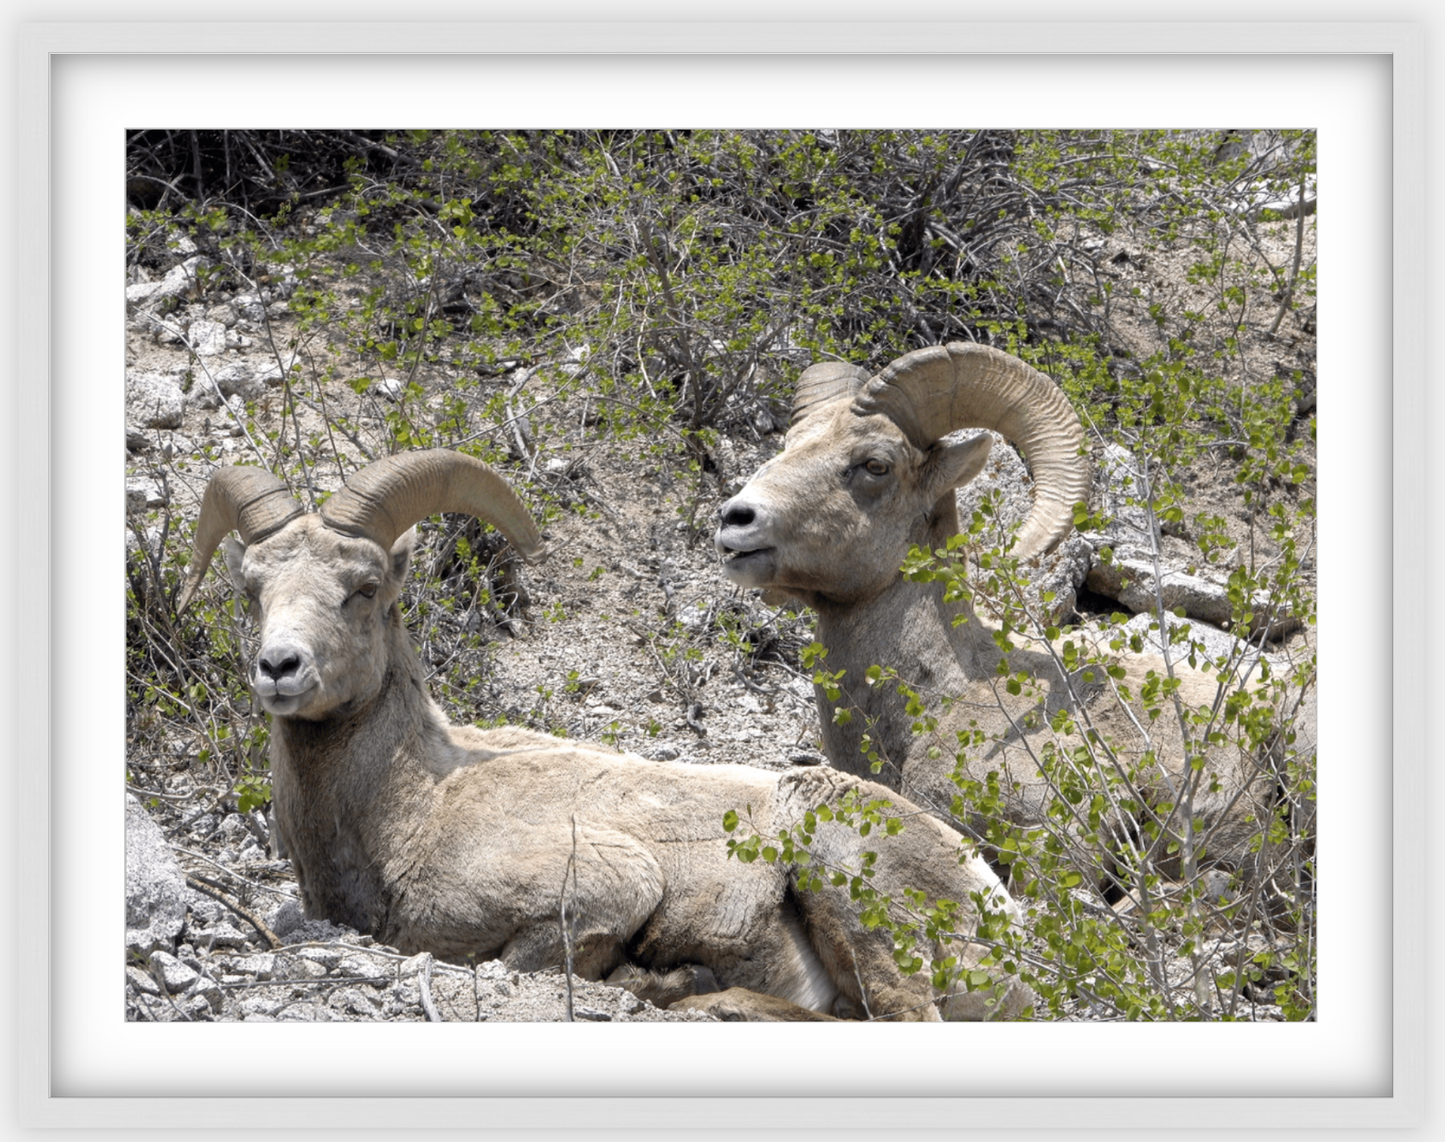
(154, 400)
(1133, 583)
(142, 493)
(155, 886)
(1119, 490)
(208, 338)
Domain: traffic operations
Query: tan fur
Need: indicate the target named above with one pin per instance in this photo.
(464, 841)
(815, 525)
(737, 1005)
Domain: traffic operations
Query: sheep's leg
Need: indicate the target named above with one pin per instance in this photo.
(860, 962)
(663, 989)
(541, 947)
(739, 1005)
(600, 882)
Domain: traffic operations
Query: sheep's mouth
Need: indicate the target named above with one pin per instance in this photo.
(279, 701)
(284, 705)
(732, 555)
(748, 567)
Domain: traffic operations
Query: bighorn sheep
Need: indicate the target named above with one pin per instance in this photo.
(870, 467)
(468, 842)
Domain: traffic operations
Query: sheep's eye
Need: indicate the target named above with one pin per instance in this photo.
(876, 467)
(366, 591)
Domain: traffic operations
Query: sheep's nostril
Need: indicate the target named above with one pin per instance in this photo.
(737, 515)
(279, 664)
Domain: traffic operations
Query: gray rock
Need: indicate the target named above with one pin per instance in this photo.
(142, 493)
(1061, 571)
(1118, 479)
(493, 970)
(1210, 644)
(155, 886)
(141, 981)
(240, 379)
(170, 332)
(1060, 574)
(352, 1001)
(142, 292)
(249, 307)
(223, 313)
(155, 400)
(177, 977)
(208, 338)
(262, 966)
(181, 281)
(1003, 472)
(209, 991)
(1132, 582)
(294, 967)
(218, 936)
(328, 958)
(261, 1006)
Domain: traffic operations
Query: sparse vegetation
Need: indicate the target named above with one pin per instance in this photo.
(615, 320)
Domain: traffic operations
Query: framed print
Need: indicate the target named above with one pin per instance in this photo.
(1359, 1061)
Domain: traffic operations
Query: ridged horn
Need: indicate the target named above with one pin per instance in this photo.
(248, 500)
(825, 383)
(389, 495)
(931, 392)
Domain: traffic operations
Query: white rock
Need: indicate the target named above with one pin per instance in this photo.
(181, 281)
(142, 292)
(1119, 478)
(178, 977)
(1218, 646)
(142, 493)
(170, 332)
(1132, 583)
(239, 379)
(328, 958)
(155, 400)
(155, 887)
(208, 338)
(262, 966)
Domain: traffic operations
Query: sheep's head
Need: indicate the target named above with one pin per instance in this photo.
(324, 586)
(868, 463)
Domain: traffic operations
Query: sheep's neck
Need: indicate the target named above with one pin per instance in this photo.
(342, 788)
(911, 629)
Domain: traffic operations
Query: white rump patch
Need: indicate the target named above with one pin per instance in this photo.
(801, 977)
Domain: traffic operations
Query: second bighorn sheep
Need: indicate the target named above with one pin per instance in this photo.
(869, 469)
(469, 842)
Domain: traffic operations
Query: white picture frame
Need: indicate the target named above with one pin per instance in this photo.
(69, 578)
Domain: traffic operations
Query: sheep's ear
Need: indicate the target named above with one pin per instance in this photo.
(235, 555)
(953, 462)
(401, 554)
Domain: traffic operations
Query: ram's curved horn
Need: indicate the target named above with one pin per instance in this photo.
(825, 383)
(389, 495)
(248, 500)
(931, 392)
